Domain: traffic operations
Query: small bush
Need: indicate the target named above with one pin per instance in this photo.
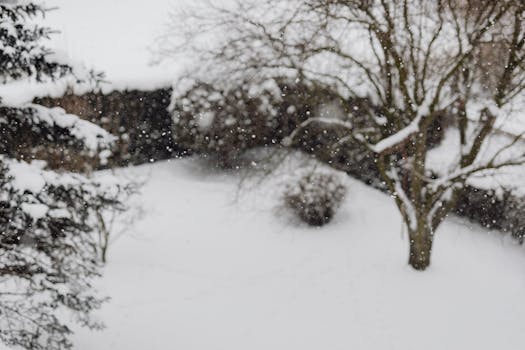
(316, 197)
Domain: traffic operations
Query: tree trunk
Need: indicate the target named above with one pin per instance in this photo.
(103, 237)
(420, 248)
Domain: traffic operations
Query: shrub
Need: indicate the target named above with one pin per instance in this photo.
(210, 119)
(139, 120)
(316, 197)
(511, 219)
(49, 252)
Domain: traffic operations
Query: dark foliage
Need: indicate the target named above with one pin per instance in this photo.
(226, 122)
(48, 249)
(139, 119)
(501, 210)
(48, 254)
(25, 56)
(20, 131)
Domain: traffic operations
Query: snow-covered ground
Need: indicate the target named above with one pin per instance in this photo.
(206, 268)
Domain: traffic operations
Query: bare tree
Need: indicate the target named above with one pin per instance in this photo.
(420, 61)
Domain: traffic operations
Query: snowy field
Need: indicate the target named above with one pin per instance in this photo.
(206, 268)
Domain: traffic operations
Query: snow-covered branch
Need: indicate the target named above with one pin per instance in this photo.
(461, 175)
(407, 207)
(288, 141)
(399, 137)
(92, 136)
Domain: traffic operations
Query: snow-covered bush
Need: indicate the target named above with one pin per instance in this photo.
(140, 121)
(32, 131)
(49, 249)
(315, 197)
(224, 121)
(49, 252)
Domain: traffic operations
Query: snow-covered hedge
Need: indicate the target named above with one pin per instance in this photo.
(28, 131)
(494, 209)
(139, 120)
(226, 121)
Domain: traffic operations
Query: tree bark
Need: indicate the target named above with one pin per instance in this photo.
(420, 248)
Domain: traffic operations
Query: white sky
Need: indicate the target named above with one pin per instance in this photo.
(115, 36)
